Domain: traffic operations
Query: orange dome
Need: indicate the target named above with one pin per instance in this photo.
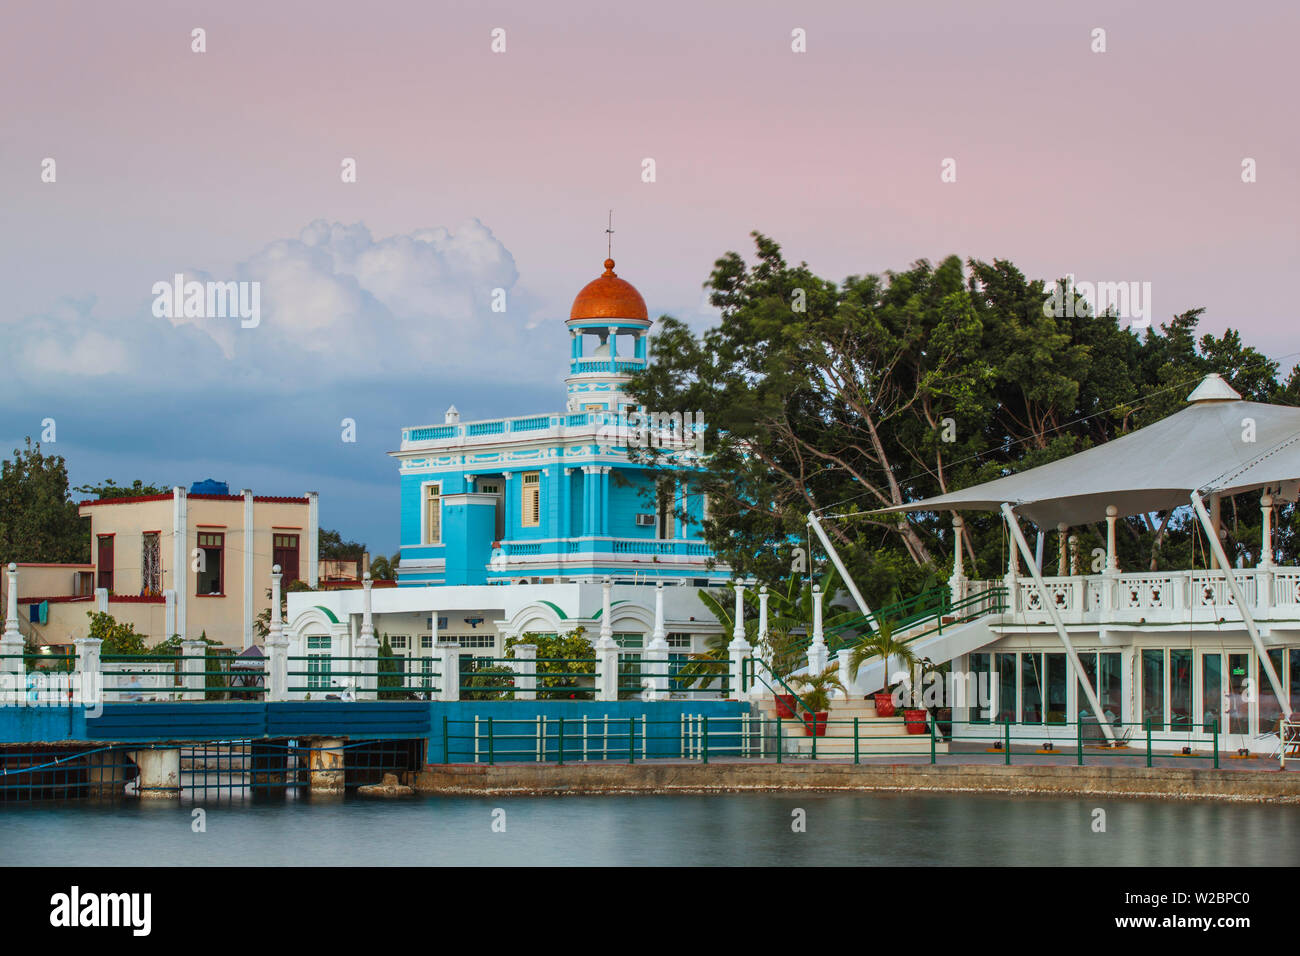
(609, 297)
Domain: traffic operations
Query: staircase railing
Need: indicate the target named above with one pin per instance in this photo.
(945, 613)
(753, 668)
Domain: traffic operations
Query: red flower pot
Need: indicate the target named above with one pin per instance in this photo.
(915, 720)
(785, 705)
(814, 725)
(884, 705)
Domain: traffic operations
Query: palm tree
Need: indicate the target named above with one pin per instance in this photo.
(816, 695)
(884, 645)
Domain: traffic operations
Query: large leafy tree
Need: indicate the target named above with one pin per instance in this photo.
(847, 398)
(820, 394)
(38, 520)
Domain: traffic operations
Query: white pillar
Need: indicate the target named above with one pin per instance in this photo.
(180, 557)
(818, 654)
(169, 612)
(739, 650)
(606, 627)
(525, 668)
(762, 623)
(248, 568)
(957, 583)
(313, 539)
(738, 623)
(160, 773)
(656, 653)
(1266, 535)
(367, 687)
(277, 645)
(1112, 556)
(90, 672)
(1216, 521)
(193, 665)
(448, 656)
(12, 642)
(1264, 569)
(606, 649)
(101, 600)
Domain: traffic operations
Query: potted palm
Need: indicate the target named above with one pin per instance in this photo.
(817, 697)
(884, 645)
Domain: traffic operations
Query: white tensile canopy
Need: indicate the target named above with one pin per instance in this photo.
(1219, 444)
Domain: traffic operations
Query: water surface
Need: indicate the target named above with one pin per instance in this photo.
(733, 829)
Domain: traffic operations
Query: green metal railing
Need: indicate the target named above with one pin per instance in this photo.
(218, 675)
(492, 740)
(40, 662)
(694, 676)
(390, 678)
(555, 678)
(935, 604)
(602, 738)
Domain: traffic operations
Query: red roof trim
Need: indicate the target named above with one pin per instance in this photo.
(136, 599)
(57, 599)
(125, 501)
(46, 564)
(265, 499)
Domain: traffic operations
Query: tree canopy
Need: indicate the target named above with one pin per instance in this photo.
(849, 397)
(38, 519)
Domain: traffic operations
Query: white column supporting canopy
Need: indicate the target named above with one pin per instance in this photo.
(1240, 598)
(1018, 540)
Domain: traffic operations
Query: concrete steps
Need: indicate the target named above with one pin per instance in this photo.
(876, 735)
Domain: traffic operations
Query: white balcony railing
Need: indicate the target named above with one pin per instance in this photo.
(1272, 594)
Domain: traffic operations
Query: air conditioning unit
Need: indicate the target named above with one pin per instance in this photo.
(645, 521)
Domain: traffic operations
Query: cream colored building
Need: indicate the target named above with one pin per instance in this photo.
(224, 546)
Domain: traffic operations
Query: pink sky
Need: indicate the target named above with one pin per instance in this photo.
(1123, 165)
(1119, 166)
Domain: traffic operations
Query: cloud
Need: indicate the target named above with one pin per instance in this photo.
(337, 306)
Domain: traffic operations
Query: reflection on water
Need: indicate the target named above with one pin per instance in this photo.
(754, 829)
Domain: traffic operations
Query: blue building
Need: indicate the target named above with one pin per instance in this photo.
(558, 497)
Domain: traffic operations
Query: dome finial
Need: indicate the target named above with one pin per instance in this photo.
(609, 242)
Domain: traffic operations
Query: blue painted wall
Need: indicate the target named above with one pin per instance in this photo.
(42, 724)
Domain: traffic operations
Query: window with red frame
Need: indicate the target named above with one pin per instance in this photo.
(213, 549)
(285, 554)
(104, 562)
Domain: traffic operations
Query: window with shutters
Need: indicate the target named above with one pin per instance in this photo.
(284, 552)
(530, 509)
(433, 514)
(104, 562)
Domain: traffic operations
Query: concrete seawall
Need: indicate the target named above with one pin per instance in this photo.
(652, 778)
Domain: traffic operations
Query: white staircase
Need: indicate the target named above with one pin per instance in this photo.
(877, 736)
(938, 647)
